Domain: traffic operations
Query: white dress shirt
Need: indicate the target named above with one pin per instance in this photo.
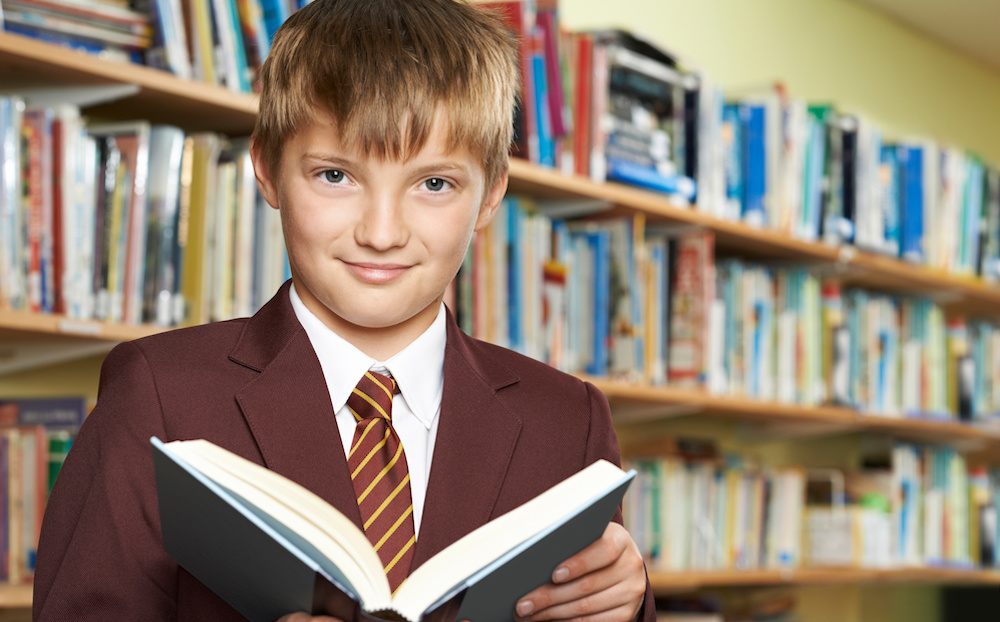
(419, 373)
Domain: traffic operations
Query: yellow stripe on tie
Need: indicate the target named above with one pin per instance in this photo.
(365, 396)
(363, 435)
(392, 530)
(402, 551)
(378, 478)
(369, 375)
(392, 495)
(371, 453)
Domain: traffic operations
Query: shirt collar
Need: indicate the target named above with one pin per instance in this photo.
(418, 368)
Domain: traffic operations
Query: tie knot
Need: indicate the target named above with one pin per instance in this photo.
(372, 398)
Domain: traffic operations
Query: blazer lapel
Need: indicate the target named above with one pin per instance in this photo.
(476, 438)
(287, 407)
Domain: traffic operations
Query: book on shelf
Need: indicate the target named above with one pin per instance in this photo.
(35, 435)
(170, 50)
(693, 509)
(219, 511)
(130, 221)
(915, 506)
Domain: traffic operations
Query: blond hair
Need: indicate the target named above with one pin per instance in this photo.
(381, 68)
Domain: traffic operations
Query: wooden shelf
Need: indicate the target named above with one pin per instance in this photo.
(24, 325)
(665, 583)
(162, 97)
(15, 596)
(630, 401)
(644, 402)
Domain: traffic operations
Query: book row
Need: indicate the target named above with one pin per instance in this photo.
(620, 298)
(35, 436)
(926, 506)
(130, 222)
(613, 106)
(221, 42)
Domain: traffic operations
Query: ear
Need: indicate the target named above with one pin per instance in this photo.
(492, 201)
(265, 181)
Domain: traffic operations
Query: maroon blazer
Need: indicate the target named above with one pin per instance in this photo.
(510, 428)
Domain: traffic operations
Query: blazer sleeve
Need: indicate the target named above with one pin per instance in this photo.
(100, 554)
(602, 442)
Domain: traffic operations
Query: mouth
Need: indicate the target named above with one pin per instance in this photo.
(376, 273)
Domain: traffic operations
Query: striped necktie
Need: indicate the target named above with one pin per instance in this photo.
(381, 478)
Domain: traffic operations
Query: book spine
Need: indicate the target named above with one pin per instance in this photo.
(753, 119)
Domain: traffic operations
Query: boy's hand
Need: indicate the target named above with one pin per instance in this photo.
(305, 617)
(605, 581)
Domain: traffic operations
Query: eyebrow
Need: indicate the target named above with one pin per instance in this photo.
(443, 166)
(330, 158)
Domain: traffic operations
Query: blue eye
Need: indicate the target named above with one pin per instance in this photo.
(333, 176)
(436, 184)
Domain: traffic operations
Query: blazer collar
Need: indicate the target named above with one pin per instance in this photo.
(288, 411)
(287, 406)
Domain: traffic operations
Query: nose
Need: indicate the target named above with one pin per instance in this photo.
(382, 225)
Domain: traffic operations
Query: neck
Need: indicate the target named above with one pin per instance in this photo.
(379, 342)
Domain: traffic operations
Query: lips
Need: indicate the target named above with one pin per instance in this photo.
(376, 273)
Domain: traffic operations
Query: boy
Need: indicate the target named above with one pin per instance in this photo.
(382, 139)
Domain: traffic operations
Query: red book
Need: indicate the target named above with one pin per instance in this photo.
(584, 88)
(549, 24)
(37, 150)
(58, 256)
(693, 289)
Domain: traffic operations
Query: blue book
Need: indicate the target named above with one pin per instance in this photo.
(814, 168)
(515, 216)
(600, 244)
(973, 199)
(55, 413)
(754, 123)
(275, 14)
(735, 154)
(546, 138)
(891, 199)
(632, 173)
(911, 238)
(70, 41)
(241, 50)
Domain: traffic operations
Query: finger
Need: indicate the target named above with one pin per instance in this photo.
(623, 584)
(615, 603)
(553, 594)
(602, 553)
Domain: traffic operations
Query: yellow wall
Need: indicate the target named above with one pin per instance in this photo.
(836, 51)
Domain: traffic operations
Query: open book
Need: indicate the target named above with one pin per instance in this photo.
(269, 546)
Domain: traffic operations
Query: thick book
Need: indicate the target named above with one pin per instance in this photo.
(270, 547)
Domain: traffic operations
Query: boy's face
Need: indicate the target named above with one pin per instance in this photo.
(373, 243)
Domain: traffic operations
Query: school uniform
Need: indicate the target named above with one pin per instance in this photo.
(509, 428)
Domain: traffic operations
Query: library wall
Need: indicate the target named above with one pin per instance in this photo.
(837, 51)
(77, 377)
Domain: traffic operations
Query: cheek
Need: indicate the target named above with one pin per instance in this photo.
(449, 239)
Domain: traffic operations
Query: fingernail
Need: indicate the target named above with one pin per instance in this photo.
(525, 607)
(560, 575)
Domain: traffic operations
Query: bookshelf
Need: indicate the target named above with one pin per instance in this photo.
(680, 582)
(160, 97)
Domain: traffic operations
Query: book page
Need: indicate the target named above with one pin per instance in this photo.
(471, 554)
